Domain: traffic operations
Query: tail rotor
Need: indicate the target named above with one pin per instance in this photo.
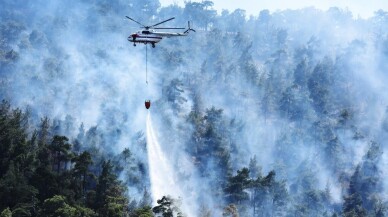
(189, 28)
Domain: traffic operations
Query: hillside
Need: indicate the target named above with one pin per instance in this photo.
(279, 114)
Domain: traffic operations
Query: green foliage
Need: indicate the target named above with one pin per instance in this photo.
(145, 211)
(13, 125)
(61, 150)
(6, 213)
(36, 174)
(235, 189)
(16, 158)
(268, 65)
(109, 200)
(85, 212)
(114, 206)
(57, 206)
(14, 188)
(81, 172)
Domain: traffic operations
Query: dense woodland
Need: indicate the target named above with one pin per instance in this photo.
(276, 114)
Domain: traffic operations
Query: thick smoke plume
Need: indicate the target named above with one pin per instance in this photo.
(301, 92)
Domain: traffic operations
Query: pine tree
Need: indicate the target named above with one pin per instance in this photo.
(58, 206)
(144, 211)
(236, 186)
(81, 170)
(109, 199)
(61, 151)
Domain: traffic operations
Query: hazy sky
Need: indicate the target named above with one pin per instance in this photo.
(364, 8)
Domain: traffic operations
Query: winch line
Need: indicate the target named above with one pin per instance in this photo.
(146, 64)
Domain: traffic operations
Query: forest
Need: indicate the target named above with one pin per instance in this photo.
(282, 113)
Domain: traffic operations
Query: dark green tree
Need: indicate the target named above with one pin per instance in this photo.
(144, 211)
(13, 137)
(43, 132)
(236, 186)
(57, 206)
(61, 151)
(16, 192)
(44, 178)
(81, 171)
(109, 199)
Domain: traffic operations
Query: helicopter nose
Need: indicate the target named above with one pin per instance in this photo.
(132, 37)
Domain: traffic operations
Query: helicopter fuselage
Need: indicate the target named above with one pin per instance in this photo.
(151, 37)
(145, 37)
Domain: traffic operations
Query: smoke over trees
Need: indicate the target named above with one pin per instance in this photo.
(279, 114)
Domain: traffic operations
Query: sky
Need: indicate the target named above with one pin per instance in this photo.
(362, 8)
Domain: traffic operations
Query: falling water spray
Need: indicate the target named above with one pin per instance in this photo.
(162, 174)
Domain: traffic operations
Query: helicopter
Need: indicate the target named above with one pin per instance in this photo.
(150, 35)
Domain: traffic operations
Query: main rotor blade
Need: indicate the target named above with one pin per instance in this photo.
(166, 28)
(135, 21)
(162, 22)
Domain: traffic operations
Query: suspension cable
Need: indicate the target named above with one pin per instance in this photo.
(146, 63)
